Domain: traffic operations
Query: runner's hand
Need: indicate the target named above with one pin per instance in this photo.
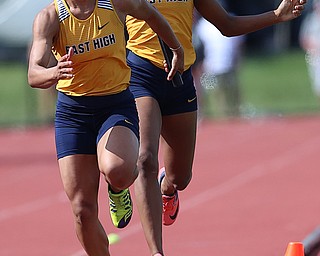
(290, 9)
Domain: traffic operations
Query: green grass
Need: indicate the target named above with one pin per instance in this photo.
(270, 85)
(278, 84)
(17, 99)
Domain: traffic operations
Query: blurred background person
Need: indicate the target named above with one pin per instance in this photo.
(220, 78)
(310, 42)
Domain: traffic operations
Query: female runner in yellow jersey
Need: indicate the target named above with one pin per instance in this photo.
(171, 112)
(96, 123)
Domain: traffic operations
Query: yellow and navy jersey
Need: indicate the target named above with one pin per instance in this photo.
(144, 42)
(99, 60)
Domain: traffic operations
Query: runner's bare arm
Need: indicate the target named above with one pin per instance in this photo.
(43, 71)
(230, 25)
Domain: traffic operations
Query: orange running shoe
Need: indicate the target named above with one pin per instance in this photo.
(170, 206)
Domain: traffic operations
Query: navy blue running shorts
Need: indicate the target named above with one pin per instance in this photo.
(149, 80)
(80, 122)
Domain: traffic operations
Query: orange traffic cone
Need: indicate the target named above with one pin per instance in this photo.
(295, 249)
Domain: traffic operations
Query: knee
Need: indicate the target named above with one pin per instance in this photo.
(84, 213)
(180, 182)
(120, 176)
(148, 165)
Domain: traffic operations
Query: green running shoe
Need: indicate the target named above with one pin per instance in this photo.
(120, 208)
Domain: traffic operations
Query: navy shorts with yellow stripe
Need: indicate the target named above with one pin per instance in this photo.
(80, 122)
(149, 80)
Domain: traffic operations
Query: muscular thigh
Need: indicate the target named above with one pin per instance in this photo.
(80, 177)
(178, 141)
(150, 123)
(118, 151)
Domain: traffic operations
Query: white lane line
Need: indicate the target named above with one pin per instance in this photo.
(32, 206)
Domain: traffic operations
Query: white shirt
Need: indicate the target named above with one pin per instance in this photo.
(221, 52)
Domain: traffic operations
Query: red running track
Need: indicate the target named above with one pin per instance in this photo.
(255, 189)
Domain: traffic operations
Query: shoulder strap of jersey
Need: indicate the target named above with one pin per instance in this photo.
(61, 10)
(105, 4)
